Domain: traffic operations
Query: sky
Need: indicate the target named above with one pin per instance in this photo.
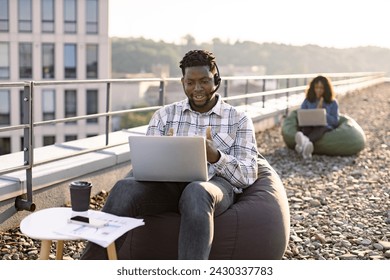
(327, 23)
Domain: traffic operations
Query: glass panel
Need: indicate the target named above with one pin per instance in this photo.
(48, 61)
(4, 107)
(48, 104)
(70, 104)
(92, 61)
(5, 146)
(70, 16)
(48, 15)
(92, 16)
(25, 15)
(4, 15)
(21, 98)
(92, 104)
(70, 138)
(25, 60)
(4, 61)
(49, 140)
(70, 60)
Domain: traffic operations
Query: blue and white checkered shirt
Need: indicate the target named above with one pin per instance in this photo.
(232, 132)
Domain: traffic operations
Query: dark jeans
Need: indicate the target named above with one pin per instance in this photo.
(314, 133)
(197, 203)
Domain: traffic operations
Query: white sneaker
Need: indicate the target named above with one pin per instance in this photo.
(308, 149)
(300, 140)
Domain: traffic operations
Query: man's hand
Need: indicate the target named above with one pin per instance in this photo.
(212, 151)
(320, 103)
(170, 132)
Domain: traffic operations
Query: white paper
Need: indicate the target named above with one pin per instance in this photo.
(105, 235)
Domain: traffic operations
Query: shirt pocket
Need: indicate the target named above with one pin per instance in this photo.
(224, 142)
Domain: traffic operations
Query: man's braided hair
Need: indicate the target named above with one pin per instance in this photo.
(198, 58)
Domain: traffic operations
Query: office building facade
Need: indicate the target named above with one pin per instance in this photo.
(53, 40)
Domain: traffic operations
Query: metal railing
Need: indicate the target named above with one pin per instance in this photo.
(25, 202)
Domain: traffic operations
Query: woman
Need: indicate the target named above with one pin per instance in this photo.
(319, 95)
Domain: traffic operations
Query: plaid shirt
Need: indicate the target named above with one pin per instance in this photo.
(232, 133)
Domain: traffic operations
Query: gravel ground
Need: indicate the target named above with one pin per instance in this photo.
(340, 207)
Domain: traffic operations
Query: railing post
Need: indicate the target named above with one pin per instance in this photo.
(108, 110)
(24, 202)
(161, 91)
(263, 97)
(246, 92)
(287, 95)
(226, 88)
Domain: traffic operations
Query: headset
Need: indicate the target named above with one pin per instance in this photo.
(217, 78)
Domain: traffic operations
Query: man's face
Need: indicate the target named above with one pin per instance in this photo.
(198, 84)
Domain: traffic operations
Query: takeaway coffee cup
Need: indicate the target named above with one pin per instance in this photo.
(80, 192)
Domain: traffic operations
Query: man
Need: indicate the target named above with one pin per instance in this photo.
(231, 155)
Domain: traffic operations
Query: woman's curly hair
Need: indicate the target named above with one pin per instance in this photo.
(329, 94)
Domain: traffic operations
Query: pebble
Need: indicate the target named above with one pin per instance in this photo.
(385, 244)
(315, 203)
(365, 242)
(348, 257)
(338, 205)
(378, 246)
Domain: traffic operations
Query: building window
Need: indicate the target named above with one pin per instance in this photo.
(92, 16)
(22, 103)
(92, 61)
(47, 16)
(92, 104)
(48, 61)
(70, 138)
(25, 60)
(70, 104)
(49, 140)
(70, 16)
(70, 61)
(4, 60)
(25, 15)
(5, 146)
(5, 118)
(48, 104)
(22, 143)
(4, 17)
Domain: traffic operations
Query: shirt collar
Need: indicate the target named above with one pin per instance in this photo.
(217, 109)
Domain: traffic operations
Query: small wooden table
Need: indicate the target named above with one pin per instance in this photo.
(42, 224)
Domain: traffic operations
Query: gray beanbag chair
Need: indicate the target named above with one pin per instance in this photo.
(347, 139)
(256, 226)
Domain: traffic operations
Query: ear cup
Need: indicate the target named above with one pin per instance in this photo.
(217, 79)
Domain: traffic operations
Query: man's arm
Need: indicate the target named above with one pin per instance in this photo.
(239, 166)
(156, 123)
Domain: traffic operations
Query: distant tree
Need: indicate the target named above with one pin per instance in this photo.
(135, 119)
(134, 55)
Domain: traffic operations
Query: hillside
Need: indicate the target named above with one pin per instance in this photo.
(135, 55)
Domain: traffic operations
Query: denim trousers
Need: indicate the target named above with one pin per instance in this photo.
(314, 133)
(197, 202)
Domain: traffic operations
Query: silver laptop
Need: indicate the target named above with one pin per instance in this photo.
(169, 158)
(312, 117)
